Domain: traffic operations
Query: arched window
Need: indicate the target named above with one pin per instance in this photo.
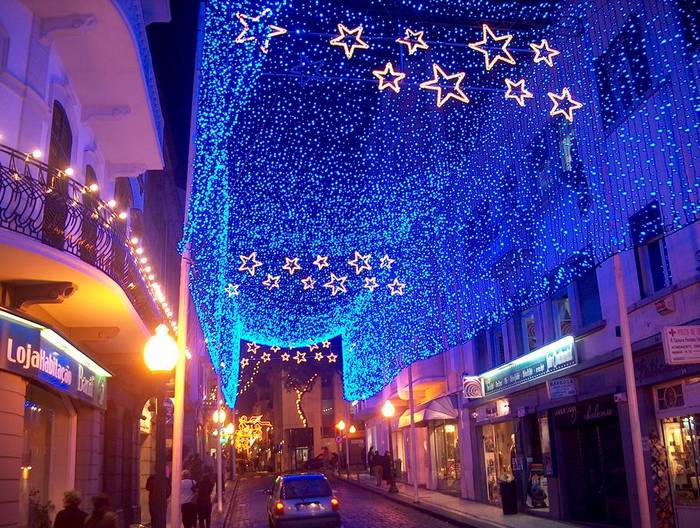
(61, 139)
(88, 250)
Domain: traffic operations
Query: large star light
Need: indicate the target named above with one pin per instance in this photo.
(483, 46)
(447, 86)
(354, 35)
(256, 30)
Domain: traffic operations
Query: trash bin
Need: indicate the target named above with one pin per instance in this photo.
(509, 500)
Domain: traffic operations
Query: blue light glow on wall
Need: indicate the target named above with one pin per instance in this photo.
(486, 206)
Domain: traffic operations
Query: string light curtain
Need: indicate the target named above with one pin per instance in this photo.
(440, 202)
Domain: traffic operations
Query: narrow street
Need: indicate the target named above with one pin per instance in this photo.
(360, 508)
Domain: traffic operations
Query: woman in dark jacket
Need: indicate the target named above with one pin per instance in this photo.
(386, 466)
(71, 515)
(204, 488)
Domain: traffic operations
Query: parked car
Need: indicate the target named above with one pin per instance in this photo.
(315, 463)
(303, 500)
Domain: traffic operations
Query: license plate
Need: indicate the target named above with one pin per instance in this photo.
(306, 506)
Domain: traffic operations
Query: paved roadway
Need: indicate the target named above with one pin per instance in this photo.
(359, 508)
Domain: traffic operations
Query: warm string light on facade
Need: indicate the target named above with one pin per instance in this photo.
(486, 207)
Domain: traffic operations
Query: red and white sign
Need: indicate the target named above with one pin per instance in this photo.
(681, 344)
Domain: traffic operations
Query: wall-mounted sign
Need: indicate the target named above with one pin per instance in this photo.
(34, 351)
(586, 412)
(544, 361)
(471, 387)
(561, 388)
(492, 410)
(681, 344)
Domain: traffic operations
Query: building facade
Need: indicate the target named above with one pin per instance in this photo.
(554, 411)
(86, 271)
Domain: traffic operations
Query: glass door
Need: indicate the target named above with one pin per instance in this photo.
(682, 438)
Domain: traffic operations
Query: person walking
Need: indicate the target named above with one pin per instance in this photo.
(188, 500)
(71, 515)
(205, 486)
(387, 466)
(102, 516)
(378, 467)
(370, 459)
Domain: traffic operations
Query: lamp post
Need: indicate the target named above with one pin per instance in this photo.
(341, 427)
(388, 413)
(219, 418)
(160, 355)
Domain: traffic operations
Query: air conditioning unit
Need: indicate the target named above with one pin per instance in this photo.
(665, 306)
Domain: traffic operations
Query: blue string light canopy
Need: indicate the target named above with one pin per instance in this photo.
(401, 175)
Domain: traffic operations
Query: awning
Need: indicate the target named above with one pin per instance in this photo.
(441, 409)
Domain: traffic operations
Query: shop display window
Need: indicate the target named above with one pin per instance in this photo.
(499, 449)
(682, 437)
(447, 456)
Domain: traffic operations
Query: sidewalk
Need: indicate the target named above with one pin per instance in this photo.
(454, 509)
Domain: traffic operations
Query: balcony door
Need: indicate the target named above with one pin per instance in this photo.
(88, 249)
(56, 204)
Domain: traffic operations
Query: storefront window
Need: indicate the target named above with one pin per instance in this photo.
(682, 437)
(499, 449)
(447, 456)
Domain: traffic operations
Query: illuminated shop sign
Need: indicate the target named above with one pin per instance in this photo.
(34, 351)
(544, 361)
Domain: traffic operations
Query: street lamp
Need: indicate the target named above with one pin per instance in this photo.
(160, 355)
(341, 427)
(388, 413)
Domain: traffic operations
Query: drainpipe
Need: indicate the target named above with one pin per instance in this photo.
(414, 452)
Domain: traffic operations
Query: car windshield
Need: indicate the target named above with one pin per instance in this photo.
(306, 488)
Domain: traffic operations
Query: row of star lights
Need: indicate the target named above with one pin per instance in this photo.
(351, 40)
(299, 357)
(336, 284)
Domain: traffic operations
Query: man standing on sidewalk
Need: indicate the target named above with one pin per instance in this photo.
(377, 468)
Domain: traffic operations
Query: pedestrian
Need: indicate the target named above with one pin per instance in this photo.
(387, 466)
(71, 515)
(370, 459)
(102, 516)
(151, 487)
(204, 488)
(378, 467)
(188, 500)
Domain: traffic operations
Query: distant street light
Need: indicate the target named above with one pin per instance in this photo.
(340, 426)
(160, 353)
(219, 416)
(388, 412)
(352, 429)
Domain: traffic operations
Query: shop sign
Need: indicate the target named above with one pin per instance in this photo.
(36, 352)
(471, 387)
(492, 410)
(561, 388)
(586, 412)
(547, 360)
(681, 344)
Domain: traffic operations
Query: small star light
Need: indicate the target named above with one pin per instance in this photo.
(481, 47)
(249, 263)
(321, 262)
(312, 347)
(248, 34)
(291, 265)
(275, 349)
(285, 356)
(308, 283)
(360, 262)
(332, 357)
(326, 344)
(231, 290)
(371, 283)
(253, 348)
(245, 362)
(517, 91)
(358, 43)
(568, 112)
(388, 71)
(413, 40)
(386, 261)
(272, 281)
(265, 357)
(543, 53)
(336, 284)
(455, 89)
(396, 287)
(318, 356)
(300, 357)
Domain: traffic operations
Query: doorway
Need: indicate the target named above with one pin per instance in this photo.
(56, 201)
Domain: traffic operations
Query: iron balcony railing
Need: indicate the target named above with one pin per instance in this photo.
(45, 204)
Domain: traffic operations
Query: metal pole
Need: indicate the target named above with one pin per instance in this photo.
(219, 462)
(632, 405)
(179, 402)
(392, 472)
(414, 451)
(160, 513)
(347, 442)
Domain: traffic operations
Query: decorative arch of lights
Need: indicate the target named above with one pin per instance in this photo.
(406, 174)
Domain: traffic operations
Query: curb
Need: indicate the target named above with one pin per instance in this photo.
(231, 502)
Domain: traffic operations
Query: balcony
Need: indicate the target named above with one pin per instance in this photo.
(54, 228)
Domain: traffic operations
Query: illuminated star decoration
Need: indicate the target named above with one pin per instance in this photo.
(285, 356)
(265, 357)
(253, 348)
(326, 344)
(231, 290)
(249, 263)
(272, 281)
(360, 262)
(517, 91)
(370, 283)
(300, 357)
(245, 362)
(385, 262)
(358, 43)
(318, 356)
(321, 262)
(308, 283)
(256, 34)
(413, 40)
(291, 265)
(482, 47)
(557, 100)
(312, 347)
(332, 357)
(307, 70)
(388, 71)
(336, 284)
(275, 349)
(543, 53)
(454, 89)
(396, 287)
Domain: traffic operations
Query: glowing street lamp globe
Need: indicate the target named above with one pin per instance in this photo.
(229, 428)
(219, 416)
(388, 409)
(352, 429)
(340, 425)
(160, 352)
